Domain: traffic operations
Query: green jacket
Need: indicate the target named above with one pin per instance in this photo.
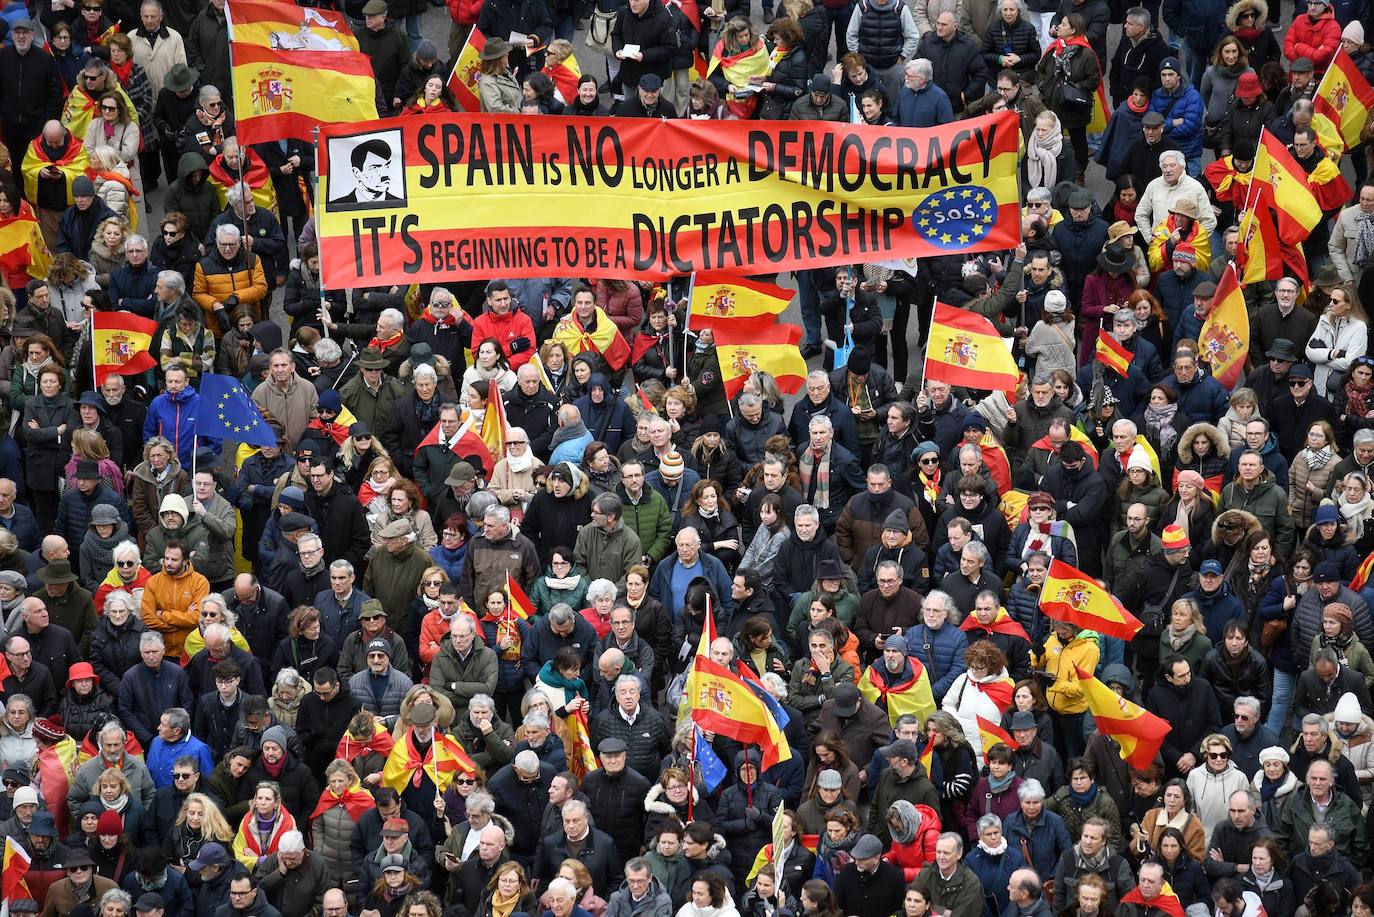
(1127, 559)
(960, 896)
(1343, 815)
(392, 578)
(651, 520)
(916, 789)
(545, 596)
(460, 679)
(369, 408)
(1268, 503)
(607, 555)
(193, 535)
(808, 697)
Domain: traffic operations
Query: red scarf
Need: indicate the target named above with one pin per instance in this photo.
(350, 749)
(1059, 45)
(998, 691)
(125, 72)
(388, 343)
(448, 321)
(1143, 107)
(251, 168)
(355, 801)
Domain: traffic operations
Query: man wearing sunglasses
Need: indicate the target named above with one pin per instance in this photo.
(1292, 414)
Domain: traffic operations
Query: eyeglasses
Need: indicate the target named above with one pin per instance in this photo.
(91, 77)
(186, 776)
(1218, 755)
(109, 108)
(171, 233)
(11, 784)
(465, 781)
(24, 655)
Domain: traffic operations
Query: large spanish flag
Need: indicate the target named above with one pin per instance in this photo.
(1225, 335)
(81, 109)
(606, 339)
(1261, 253)
(493, 432)
(1343, 101)
(965, 349)
(295, 69)
(443, 759)
(719, 300)
(910, 696)
(772, 350)
(119, 344)
(462, 82)
(1072, 596)
(22, 247)
(1138, 731)
(1112, 354)
(73, 164)
(1285, 183)
(992, 733)
(253, 172)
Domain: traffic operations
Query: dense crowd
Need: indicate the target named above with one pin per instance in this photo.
(234, 676)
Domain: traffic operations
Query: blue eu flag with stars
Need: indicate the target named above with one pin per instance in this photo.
(709, 765)
(227, 412)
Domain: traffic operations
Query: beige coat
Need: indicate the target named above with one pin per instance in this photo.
(158, 59)
(1303, 500)
(291, 408)
(1159, 197)
(504, 482)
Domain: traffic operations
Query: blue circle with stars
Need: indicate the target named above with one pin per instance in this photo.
(955, 218)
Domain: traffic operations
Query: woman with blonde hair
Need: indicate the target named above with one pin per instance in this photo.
(512, 480)
(117, 128)
(88, 444)
(1340, 337)
(306, 648)
(263, 825)
(508, 892)
(358, 451)
(112, 183)
(107, 249)
(199, 822)
(69, 280)
(381, 477)
(403, 503)
(334, 818)
(1309, 477)
(1186, 635)
(1243, 408)
(743, 55)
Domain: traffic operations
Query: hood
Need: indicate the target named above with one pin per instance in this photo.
(1185, 442)
(654, 800)
(1249, 522)
(1233, 14)
(1119, 674)
(175, 503)
(581, 483)
(191, 162)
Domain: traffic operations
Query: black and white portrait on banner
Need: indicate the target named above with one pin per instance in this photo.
(367, 171)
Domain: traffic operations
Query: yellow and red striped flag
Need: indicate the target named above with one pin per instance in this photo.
(1138, 731)
(516, 600)
(1362, 572)
(294, 69)
(1259, 250)
(605, 340)
(991, 733)
(119, 344)
(1225, 335)
(1002, 623)
(565, 75)
(73, 164)
(1285, 183)
(578, 745)
(965, 349)
(724, 301)
(444, 758)
(927, 757)
(1112, 354)
(1343, 101)
(910, 696)
(17, 861)
(1071, 595)
(494, 426)
(22, 247)
(743, 352)
(462, 82)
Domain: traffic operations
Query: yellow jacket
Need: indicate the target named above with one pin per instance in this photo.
(1065, 696)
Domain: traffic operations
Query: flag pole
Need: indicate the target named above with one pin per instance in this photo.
(687, 320)
(324, 326)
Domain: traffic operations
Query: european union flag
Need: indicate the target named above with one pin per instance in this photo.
(712, 769)
(226, 412)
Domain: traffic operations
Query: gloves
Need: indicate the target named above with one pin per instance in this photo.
(752, 814)
(519, 345)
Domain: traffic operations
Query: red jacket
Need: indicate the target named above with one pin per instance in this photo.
(464, 12)
(1316, 40)
(512, 326)
(920, 850)
(625, 307)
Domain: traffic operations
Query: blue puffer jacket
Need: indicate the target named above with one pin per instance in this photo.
(1186, 104)
(944, 661)
(1024, 606)
(1218, 608)
(174, 416)
(1047, 839)
(1202, 400)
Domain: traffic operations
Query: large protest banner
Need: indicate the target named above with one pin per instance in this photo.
(471, 196)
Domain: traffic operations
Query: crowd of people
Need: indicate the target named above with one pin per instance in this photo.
(234, 676)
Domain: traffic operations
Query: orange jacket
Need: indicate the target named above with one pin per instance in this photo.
(171, 606)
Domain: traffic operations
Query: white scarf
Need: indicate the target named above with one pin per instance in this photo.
(1042, 156)
(520, 463)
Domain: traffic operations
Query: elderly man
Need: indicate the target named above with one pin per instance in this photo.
(674, 573)
(1173, 185)
(531, 408)
(294, 878)
(869, 884)
(474, 875)
(464, 667)
(153, 686)
(1255, 491)
(524, 793)
(381, 686)
(612, 793)
(28, 678)
(1228, 850)
(597, 851)
(201, 671)
(1145, 897)
(262, 234)
(435, 460)
(174, 741)
(36, 94)
(1348, 247)
(1026, 893)
(370, 395)
(920, 102)
(112, 755)
(821, 401)
(749, 430)
(393, 574)
(228, 277)
(947, 883)
(386, 336)
(1319, 803)
(1283, 318)
(645, 732)
(59, 619)
(287, 398)
(956, 60)
(903, 778)
(495, 554)
(608, 547)
(1322, 687)
(829, 472)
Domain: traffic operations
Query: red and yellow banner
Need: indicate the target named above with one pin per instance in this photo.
(1343, 101)
(1138, 731)
(965, 349)
(1070, 595)
(517, 601)
(1362, 572)
(22, 248)
(1285, 183)
(910, 696)
(650, 199)
(1225, 335)
(295, 69)
(1112, 354)
(119, 344)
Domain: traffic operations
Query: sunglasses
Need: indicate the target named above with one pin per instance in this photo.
(465, 781)
(11, 784)
(930, 461)
(188, 776)
(1298, 383)
(109, 108)
(126, 563)
(1218, 755)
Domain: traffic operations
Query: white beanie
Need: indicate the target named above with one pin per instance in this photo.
(1055, 301)
(1139, 459)
(25, 796)
(1347, 709)
(1354, 32)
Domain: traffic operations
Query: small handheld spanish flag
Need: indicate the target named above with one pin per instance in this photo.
(1112, 354)
(991, 733)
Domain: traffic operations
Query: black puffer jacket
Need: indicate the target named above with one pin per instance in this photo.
(617, 803)
(957, 65)
(79, 715)
(1019, 38)
(790, 77)
(114, 650)
(299, 789)
(1243, 123)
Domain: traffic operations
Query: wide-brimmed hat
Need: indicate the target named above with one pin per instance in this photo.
(55, 571)
(1283, 349)
(495, 49)
(1115, 260)
(181, 78)
(372, 358)
(1184, 207)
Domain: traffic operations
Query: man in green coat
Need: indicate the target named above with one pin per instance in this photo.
(464, 668)
(394, 573)
(904, 778)
(1255, 491)
(371, 393)
(646, 512)
(1339, 813)
(608, 547)
(948, 884)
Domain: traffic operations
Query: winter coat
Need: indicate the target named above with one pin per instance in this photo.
(1315, 39)
(941, 652)
(1084, 72)
(1251, 676)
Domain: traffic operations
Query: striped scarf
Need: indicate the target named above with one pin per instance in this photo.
(808, 465)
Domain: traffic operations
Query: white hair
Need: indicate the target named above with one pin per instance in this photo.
(227, 232)
(1175, 155)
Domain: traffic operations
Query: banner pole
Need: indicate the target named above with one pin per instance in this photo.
(324, 326)
(687, 320)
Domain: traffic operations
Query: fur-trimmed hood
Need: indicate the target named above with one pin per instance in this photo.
(1249, 521)
(1290, 783)
(1339, 744)
(441, 368)
(1185, 442)
(581, 483)
(1233, 14)
(655, 802)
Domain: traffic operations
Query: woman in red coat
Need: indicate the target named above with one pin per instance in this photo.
(915, 829)
(623, 304)
(1104, 291)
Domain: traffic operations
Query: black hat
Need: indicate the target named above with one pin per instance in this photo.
(897, 522)
(295, 522)
(613, 746)
(94, 400)
(1282, 349)
(846, 700)
(87, 470)
(651, 82)
(709, 424)
(860, 361)
(360, 429)
(149, 901)
(828, 568)
(24, 326)
(821, 83)
(77, 856)
(1115, 260)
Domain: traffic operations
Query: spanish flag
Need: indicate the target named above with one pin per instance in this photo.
(928, 758)
(1070, 595)
(965, 349)
(81, 109)
(991, 733)
(605, 340)
(444, 758)
(252, 172)
(494, 421)
(1138, 731)
(466, 444)
(16, 865)
(294, 69)
(1165, 901)
(1225, 335)
(119, 344)
(73, 164)
(355, 801)
(1102, 113)
(995, 457)
(723, 301)
(577, 747)
(1284, 182)
(910, 696)
(1362, 573)
(1328, 185)
(1112, 354)
(516, 600)
(772, 350)
(22, 248)
(565, 75)
(462, 82)
(1258, 250)
(1003, 623)
(737, 69)
(1343, 101)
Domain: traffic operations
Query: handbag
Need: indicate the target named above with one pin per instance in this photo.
(1273, 630)
(599, 28)
(1075, 97)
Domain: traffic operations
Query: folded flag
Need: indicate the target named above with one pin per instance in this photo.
(708, 763)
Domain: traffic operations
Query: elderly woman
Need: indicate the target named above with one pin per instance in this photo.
(126, 572)
(153, 479)
(335, 817)
(1211, 785)
(288, 688)
(112, 791)
(114, 640)
(512, 480)
(403, 502)
(214, 610)
(601, 595)
(17, 745)
(306, 648)
(490, 748)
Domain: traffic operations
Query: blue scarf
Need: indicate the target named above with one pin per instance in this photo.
(1083, 799)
